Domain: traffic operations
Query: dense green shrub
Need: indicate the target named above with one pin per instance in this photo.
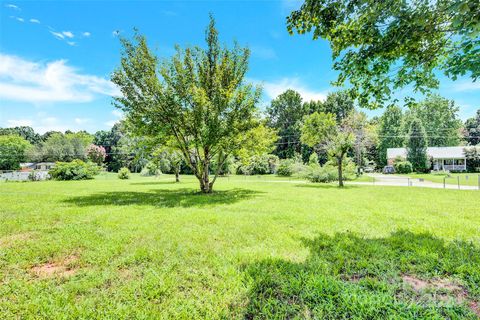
(124, 173)
(329, 172)
(403, 167)
(151, 169)
(263, 164)
(313, 160)
(74, 170)
(285, 167)
(321, 174)
(473, 158)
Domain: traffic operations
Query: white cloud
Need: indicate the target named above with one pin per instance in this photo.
(19, 122)
(34, 21)
(263, 52)
(68, 34)
(43, 123)
(111, 123)
(117, 113)
(82, 120)
(35, 82)
(273, 89)
(86, 34)
(57, 35)
(12, 6)
(465, 86)
(71, 43)
(20, 19)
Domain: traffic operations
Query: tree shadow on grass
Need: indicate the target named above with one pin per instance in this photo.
(153, 183)
(164, 198)
(346, 276)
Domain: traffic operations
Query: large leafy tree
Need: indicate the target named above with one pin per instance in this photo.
(472, 130)
(379, 46)
(23, 131)
(285, 114)
(259, 142)
(365, 135)
(63, 147)
(198, 98)
(321, 130)
(339, 103)
(13, 150)
(390, 134)
(417, 146)
(110, 141)
(440, 120)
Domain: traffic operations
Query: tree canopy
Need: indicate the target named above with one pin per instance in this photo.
(285, 114)
(472, 129)
(198, 98)
(380, 46)
(417, 146)
(13, 150)
(439, 117)
(390, 133)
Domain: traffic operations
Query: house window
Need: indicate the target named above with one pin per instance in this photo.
(448, 162)
(460, 162)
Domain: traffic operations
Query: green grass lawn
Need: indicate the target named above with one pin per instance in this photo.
(466, 179)
(148, 248)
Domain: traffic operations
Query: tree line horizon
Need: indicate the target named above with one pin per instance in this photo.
(198, 104)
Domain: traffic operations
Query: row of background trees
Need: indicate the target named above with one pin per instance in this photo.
(280, 135)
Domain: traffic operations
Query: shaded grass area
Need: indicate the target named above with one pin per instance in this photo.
(148, 248)
(346, 276)
(163, 198)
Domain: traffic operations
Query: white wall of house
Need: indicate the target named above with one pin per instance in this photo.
(444, 158)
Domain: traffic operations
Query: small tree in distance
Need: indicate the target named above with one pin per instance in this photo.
(417, 146)
(96, 154)
(321, 130)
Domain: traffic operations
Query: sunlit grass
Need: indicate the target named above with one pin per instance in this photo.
(152, 248)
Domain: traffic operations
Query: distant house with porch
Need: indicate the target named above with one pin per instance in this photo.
(443, 158)
(42, 166)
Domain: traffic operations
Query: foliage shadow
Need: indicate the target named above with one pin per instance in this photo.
(347, 276)
(164, 198)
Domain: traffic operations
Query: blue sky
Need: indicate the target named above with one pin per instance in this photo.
(56, 57)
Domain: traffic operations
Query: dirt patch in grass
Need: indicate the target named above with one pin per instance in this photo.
(445, 290)
(62, 268)
(475, 307)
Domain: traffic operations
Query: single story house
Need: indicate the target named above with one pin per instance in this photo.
(443, 158)
(42, 166)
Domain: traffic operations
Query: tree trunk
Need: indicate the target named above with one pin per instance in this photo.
(340, 171)
(177, 176)
(205, 184)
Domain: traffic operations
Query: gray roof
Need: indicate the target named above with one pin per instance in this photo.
(434, 152)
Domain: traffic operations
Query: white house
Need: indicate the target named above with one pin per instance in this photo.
(43, 166)
(443, 158)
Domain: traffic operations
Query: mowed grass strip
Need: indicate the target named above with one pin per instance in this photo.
(465, 179)
(256, 248)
